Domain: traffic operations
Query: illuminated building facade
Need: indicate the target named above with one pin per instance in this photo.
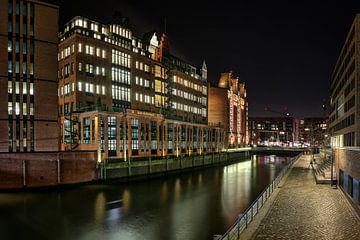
(344, 114)
(28, 81)
(274, 130)
(128, 96)
(314, 131)
(228, 105)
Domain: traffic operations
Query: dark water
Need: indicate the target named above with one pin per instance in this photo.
(189, 206)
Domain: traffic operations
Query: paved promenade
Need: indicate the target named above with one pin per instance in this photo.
(304, 210)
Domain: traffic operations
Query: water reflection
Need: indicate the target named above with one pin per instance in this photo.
(189, 206)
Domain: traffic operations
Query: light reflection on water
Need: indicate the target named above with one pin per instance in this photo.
(189, 206)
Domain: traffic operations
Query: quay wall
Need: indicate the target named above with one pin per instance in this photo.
(43, 169)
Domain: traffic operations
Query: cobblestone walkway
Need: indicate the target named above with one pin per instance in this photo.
(305, 210)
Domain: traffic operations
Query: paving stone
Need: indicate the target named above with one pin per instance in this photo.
(306, 210)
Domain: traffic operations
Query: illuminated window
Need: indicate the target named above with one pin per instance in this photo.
(98, 51)
(17, 108)
(94, 27)
(31, 89)
(79, 47)
(17, 88)
(103, 90)
(10, 108)
(24, 88)
(31, 109)
(103, 54)
(9, 46)
(10, 88)
(79, 86)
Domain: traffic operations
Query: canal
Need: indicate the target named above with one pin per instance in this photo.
(193, 205)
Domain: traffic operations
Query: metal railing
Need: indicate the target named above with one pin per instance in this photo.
(245, 218)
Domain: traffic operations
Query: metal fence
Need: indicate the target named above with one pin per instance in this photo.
(245, 218)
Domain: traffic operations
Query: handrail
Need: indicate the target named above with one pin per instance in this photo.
(244, 219)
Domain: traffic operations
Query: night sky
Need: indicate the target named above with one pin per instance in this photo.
(285, 51)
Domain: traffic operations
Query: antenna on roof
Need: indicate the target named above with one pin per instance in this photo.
(165, 25)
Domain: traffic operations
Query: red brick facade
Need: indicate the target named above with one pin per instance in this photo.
(23, 170)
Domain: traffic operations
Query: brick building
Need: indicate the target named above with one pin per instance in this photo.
(344, 120)
(28, 80)
(119, 92)
(228, 105)
(274, 130)
(314, 131)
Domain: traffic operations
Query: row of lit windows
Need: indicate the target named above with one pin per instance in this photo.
(87, 87)
(120, 58)
(120, 93)
(186, 95)
(187, 83)
(17, 47)
(17, 67)
(142, 66)
(160, 86)
(120, 31)
(16, 108)
(142, 82)
(114, 28)
(186, 108)
(144, 98)
(91, 50)
(17, 88)
(66, 52)
(120, 75)
(160, 72)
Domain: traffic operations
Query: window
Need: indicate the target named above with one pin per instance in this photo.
(97, 89)
(24, 48)
(103, 72)
(24, 88)
(10, 108)
(89, 68)
(103, 54)
(120, 58)
(94, 27)
(31, 69)
(31, 89)
(17, 88)
(10, 27)
(112, 135)
(79, 47)
(98, 51)
(31, 109)
(9, 46)
(24, 68)
(89, 87)
(17, 67)
(9, 66)
(86, 129)
(79, 86)
(10, 7)
(80, 66)
(10, 88)
(103, 90)
(135, 135)
(17, 108)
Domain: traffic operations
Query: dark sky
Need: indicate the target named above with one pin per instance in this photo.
(284, 51)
